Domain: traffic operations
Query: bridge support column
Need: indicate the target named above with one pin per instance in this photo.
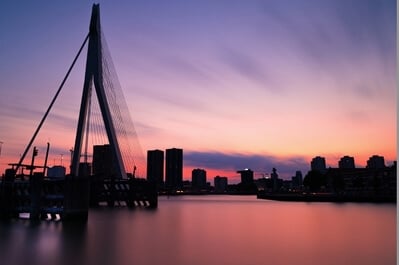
(76, 200)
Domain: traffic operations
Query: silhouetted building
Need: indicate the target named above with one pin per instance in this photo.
(247, 176)
(275, 179)
(297, 179)
(174, 168)
(363, 182)
(155, 163)
(84, 169)
(103, 161)
(346, 162)
(221, 184)
(198, 179)
(247, 184)
(376, 162)
(56, 172)
(318, 163)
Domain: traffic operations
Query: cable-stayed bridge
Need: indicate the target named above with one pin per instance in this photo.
(104, 118)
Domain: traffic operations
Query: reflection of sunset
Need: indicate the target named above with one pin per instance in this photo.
(270, 84)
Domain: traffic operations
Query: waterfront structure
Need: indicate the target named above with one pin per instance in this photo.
(318, 163)
(155, 165)
(174, 168)
(220, 184)
(198, 179)
(376, 162)
(347, 162)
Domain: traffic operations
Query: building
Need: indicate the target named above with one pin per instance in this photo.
(56, 172)
(247, 176)
(220, 184)
(276, 182)
(363, 182)
(155, 165)
(85, 169)
(103, 161)
(247, 184)
(376, 162)
(318, 163)
(198, 179)
(297, 180)
(346, 162)
(174, 168)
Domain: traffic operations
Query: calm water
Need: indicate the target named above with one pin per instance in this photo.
(211, 230)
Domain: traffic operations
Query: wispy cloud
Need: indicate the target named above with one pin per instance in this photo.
(249, 67)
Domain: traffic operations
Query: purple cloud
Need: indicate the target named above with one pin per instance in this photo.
(286, 167)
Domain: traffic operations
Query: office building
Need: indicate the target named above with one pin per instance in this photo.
(155, 165)
(376, 162)
(174, 168)
(318, 163)
(220, 184)
(247, 176)
(103, 161)
(346, 162)
(297, 179)
(198, 179)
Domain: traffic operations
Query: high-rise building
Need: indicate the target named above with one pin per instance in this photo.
(198, 178)
(155, 167)
(376, 162)
(174, 168)
(297, 179)
(318, 163)
(247, 176)
(220, 184)
(103, 161)
(347, 162)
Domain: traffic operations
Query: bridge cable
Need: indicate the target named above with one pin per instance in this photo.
(51, 105)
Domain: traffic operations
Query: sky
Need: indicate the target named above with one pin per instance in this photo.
(235, 84)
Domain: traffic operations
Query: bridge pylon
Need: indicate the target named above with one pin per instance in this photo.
(94, 76)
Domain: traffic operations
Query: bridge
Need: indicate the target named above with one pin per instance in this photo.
(69, 197)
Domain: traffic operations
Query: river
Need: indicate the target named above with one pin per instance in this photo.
(212, 229)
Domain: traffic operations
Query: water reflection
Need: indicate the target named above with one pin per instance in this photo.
(210, 230)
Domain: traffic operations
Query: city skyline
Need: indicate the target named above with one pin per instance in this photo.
(259, 85)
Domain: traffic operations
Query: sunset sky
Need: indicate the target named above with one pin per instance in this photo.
(236, 84)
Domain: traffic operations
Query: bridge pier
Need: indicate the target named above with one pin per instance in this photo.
(76, 198)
